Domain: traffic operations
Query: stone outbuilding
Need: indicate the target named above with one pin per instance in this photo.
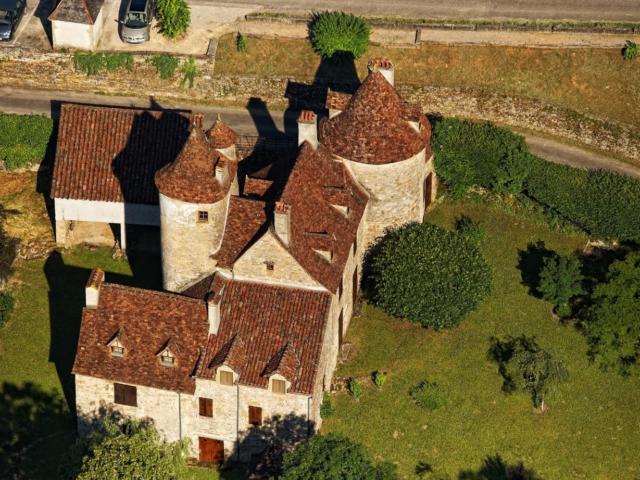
(77, 24)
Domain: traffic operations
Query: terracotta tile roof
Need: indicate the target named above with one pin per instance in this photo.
(246, 221)
(77, 11)
(285, 362)
(194, 176)
(316, 182)
(220, 135)
(267, 318)
(257, 187)
(112, 154)
(337, 100)
(233, 354)
(371, 129)
(148, 321)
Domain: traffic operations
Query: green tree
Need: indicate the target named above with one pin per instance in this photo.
(128, 449)
(333, 457)
(334, 33)
(560, 281)
(174, 17)
(612, 323)
(427, 275)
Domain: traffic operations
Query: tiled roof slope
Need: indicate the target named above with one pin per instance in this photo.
(112, 154)
(266, 318)
(77, 11)
(246, 220)
(192, 176)
(220, 135)
(373, 128)
(317, 182)
(148, 320)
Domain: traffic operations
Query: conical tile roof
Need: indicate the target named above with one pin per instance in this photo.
(220, 135)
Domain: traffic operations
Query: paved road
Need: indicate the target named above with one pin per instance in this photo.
(268, 123)
(628, 10)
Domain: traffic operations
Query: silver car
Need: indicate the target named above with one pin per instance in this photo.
(136, 25)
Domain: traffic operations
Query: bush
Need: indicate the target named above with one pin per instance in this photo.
(333, 457)
(117, 61)
(560, 281)
(468, 228)
(174, 17)
(338, 33)
(190, 72)
(601, 203)
(355, 389)
(130, 449)
(429, 396)
(427, 275)
(379, 378)
(95, 63)
(469, 153)
(165, 65)
(6, 306)
(241, 43)
(630, 50)
(23, 139)
(326, 408)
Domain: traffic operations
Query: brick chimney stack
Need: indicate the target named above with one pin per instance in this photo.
(92, 289)
(282, 222)
(308, 128)
(384, 66)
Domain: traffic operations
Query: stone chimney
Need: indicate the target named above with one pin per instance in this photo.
(92, 289)
(213, 312)
(384, 66)
(282, 222)
(308, 128)
(197, 121)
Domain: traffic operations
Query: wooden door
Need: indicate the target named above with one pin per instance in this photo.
(428, 190)
(211, 451)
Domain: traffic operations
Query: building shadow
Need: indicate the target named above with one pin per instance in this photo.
(494, 467)
(42, 12)
(44, 176)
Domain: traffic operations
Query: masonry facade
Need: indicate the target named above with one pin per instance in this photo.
(262, 261)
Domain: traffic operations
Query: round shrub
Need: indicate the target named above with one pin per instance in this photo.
(428, 395)
(334, 33)
(630, 50)
(427, 275)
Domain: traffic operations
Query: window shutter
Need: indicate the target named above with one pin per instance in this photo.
(278, 386)
(125, 395)
(206, 407)
(226, 378)
(255, 416)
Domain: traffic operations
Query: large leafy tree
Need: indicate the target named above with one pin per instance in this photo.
(428, 275)
(612, 324)
(126, 449)
(174, 17)
(560, 281)
(332, 457)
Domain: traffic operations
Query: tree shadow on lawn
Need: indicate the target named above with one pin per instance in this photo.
(530, 263)
(494, 467)
(502, 350)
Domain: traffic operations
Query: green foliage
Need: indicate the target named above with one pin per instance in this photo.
(469, 153)
(560, 281)
(326, 408)
(23, 139)
(468, 228)
(428, 395)
(601, 203)
(241, 43)
(333, 457)
(355, 389)
(129, 449)
(338, 33)
(630, 50)
(427, 275)
(379, 378)
(174, 17)
(190, 72)
(612, 323)
(165, 65)
(95, 63)
(6, 306)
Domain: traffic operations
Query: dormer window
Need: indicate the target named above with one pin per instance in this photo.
(166, 357)
(117, 351)
(226, 378)
(203, 216)
(116, 346)
(278, 386)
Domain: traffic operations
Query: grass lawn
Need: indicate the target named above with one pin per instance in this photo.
(592, 427)
(594, 81)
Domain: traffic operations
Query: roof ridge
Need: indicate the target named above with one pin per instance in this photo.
(162, 293)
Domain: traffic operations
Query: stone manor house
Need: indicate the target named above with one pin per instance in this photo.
(261, 266)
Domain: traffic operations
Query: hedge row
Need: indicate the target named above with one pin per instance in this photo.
(602, 203)
(23, 139)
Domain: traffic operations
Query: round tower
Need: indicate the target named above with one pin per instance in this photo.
(194, 199)
(386, 143)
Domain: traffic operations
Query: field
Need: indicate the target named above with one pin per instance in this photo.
(592, 81)
(592, 427)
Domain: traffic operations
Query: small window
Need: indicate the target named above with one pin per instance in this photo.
(226, 378)
(125, 395)
(206, 407)
(117, 351)
(167, 359)
(278, 386)
(270, 265)
(203, 216)
(255, 416)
